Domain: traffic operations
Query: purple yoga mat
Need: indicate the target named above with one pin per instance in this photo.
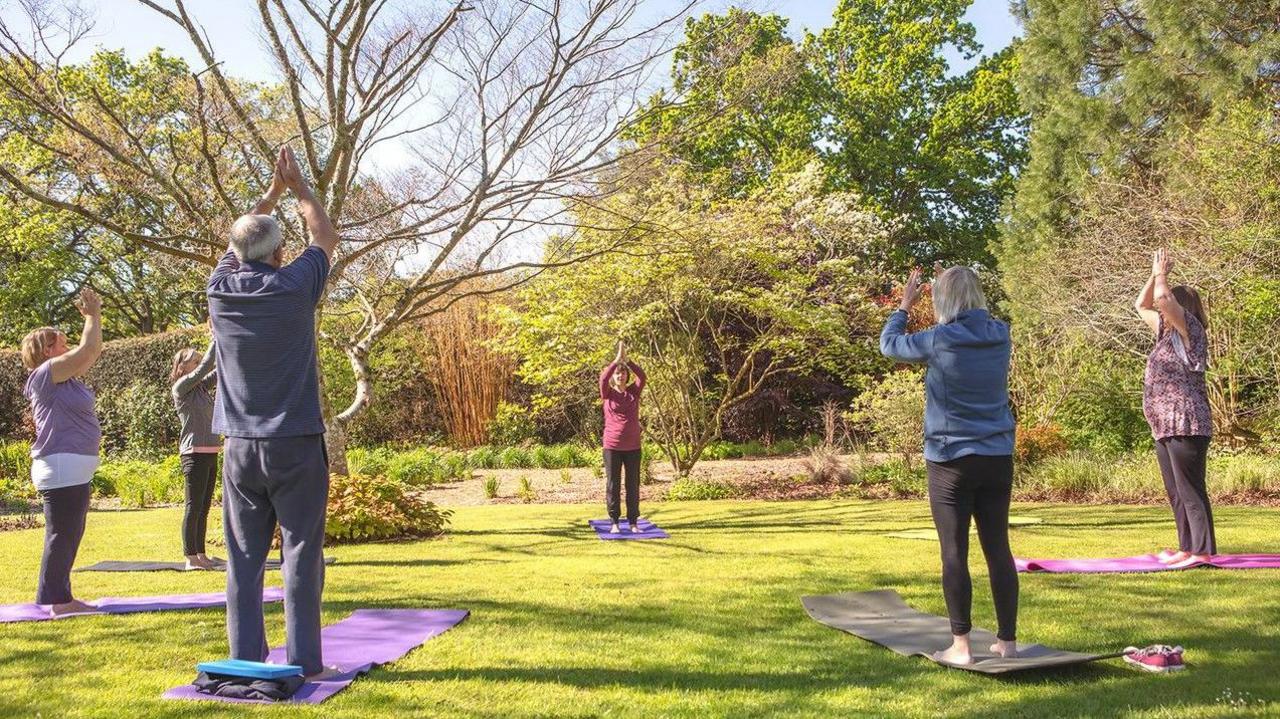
(129, 605)
(355, 645)
(648, 530)
(1143, 563)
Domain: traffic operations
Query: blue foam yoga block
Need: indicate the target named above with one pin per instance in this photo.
(252, 670)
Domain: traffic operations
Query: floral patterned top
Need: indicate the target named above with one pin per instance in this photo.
(1175, 399)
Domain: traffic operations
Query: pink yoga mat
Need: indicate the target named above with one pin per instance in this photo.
(130, 605)
(355, 645)
(1143, 563)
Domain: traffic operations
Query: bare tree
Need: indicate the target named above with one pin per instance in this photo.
(492, 120)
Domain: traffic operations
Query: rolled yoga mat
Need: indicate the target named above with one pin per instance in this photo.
(112, 565)
(1143, 563)
(883, 617)
(355, 645)
(648, 530)
(130, 605)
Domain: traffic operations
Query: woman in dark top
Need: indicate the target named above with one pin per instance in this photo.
(1175, 401)
(192, 379)
(620, 395)
(64, 455)
(968, 444)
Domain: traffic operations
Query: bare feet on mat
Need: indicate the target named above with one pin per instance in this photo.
(197, 562)
(1191, 560)
(1173, 557)
(74, 606)
(615, 529)
(957, 653)
(216, 560)
(634, 528)
(323, 674)
(1008, 650)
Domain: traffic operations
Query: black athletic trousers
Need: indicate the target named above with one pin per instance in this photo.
(615, 460)
(979, 487)
(1182, 463)
(65, 510)
(200, 469)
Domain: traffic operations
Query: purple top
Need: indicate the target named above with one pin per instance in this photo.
(1175, 399)
(63, 411)
(621, 409)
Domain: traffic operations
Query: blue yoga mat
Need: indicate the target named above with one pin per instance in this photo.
(252, 670)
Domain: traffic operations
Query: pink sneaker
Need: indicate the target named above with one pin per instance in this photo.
(1155, 658)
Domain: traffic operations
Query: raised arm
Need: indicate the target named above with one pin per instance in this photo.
(78, 361)
(640, 375)
(203, 371)
(1145, 305)
(604, 378)
(1165, 302)
(895, 343)
(319, 226)
(267, 204)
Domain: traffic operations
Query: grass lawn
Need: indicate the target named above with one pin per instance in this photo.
(707, 623)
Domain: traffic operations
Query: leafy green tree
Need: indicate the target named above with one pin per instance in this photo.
(871, 96)
(715, 296)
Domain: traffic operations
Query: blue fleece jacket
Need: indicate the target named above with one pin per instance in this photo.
(966, 385)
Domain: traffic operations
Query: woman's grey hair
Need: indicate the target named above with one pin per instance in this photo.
(255, 237)
(956, 290)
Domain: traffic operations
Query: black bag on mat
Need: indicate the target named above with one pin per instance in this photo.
(223, 685)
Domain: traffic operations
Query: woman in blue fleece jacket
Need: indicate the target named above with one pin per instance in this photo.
(968, 444)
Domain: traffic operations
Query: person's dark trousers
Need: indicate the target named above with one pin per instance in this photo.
(1182, 464)
(65, 510)
(283, 479)
(979, 487)
(201, 473)
(615, 461)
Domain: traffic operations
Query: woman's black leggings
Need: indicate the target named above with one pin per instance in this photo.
(615, 460)
(979, 487)
(201, 472)
(1182, 463)
(65, 510)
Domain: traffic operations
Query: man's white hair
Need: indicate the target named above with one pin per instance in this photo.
(255, 237)
(954, 291)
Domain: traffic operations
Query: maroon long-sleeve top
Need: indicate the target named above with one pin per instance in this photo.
(621, 409)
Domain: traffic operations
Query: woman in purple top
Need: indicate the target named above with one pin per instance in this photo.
(65, 452)
(1175, 401)
(620, 394)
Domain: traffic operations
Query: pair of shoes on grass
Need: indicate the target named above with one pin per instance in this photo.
(1155, 658)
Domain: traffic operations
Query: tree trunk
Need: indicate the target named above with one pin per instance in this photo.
(335, 437)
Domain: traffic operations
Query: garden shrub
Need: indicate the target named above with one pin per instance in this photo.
(15, 473)
(14, 408)
(565, 477)
(890, 411)
(366, 507)
(512, 424)
(139, 419)
(688, 488)
(490, 487)
(899, 477)
(1037, 443)
(1073, 476)
(141, 483)
(365, 460)
(515, 458)
(526, 492)
(824, 466)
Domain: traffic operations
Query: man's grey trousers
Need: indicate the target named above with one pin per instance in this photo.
(265, 481)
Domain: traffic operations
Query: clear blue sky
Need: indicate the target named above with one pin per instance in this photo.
(128, 25)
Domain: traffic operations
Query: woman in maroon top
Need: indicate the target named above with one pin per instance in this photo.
(1175, 401)
(620, 395)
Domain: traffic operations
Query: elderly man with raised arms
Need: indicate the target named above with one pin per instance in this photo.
(275, 468)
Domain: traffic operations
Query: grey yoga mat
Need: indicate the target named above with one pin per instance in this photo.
(882, 617)
(114, 565)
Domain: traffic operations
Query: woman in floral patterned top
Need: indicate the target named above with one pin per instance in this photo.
(1175, 401)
